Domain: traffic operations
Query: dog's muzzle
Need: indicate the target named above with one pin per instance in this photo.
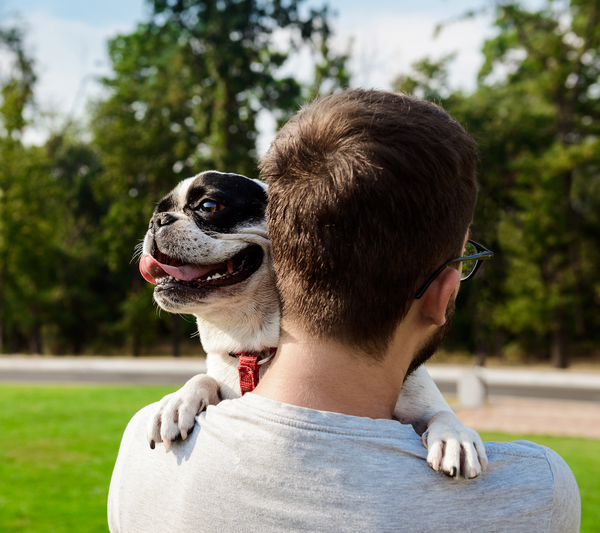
(168, 272)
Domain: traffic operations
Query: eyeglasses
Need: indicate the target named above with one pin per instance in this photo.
(475, 254)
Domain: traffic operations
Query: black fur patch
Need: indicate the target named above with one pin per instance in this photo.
(168, 203)
(244, 200)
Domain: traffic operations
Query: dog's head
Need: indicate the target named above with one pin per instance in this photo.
(207, 243)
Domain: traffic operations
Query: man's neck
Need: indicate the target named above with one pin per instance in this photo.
(326, 376)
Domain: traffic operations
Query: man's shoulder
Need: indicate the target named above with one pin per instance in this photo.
(373, 472)
(531, 456)
(517, 448)
(535, 473)
(139, 420)
(143, 414)
(134, 438)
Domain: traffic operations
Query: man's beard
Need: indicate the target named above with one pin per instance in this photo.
(431, 345)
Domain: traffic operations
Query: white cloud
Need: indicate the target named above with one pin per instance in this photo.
(386, 46)
(68, 56)
(70, 53)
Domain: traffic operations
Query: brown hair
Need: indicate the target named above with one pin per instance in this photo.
(369, 193)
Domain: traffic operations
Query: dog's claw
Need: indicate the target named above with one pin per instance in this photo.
(453, 448)
(152, 444)
(435, 454)
(175, 415)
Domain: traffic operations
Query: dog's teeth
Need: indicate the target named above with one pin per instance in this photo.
(217, 275)
(230, 268)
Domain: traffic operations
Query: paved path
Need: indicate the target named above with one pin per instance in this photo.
(523, 382)
(122, 370)
(504, 382)
(535, 417)
(556, 408)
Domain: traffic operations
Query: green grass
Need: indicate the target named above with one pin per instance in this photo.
(60, 444)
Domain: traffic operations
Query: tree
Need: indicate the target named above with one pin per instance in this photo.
(187, 88)
(536, 114)
(85, 291)
(22, 185)
(552, 57)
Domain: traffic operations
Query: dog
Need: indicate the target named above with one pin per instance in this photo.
(209, 255)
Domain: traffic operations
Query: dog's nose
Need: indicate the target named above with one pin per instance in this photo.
(164, 219)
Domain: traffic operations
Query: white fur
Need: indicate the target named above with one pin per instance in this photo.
(245, 317)
(421, 404)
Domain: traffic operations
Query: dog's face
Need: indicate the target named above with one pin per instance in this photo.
(207, 242)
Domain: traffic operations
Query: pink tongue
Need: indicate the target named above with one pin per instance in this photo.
(152, 270)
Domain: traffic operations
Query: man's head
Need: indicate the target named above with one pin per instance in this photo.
(369, 193)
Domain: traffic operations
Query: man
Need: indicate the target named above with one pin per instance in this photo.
(370, 193)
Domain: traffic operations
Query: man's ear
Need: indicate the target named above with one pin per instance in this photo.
(435, 300)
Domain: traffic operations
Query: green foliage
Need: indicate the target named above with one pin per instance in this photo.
(331, 72)
(551, 60)
(429, 79)
(536, 115)
(185, 95)
(17, 85)
(30, 204)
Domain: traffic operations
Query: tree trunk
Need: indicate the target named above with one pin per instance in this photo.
(2, 278)
(499, 341)
(557, 327)
(137, 344)
(574, 257)
(480, 358)
(575, 263)
(481, 342)
(35, 340)
(175, 335)
(15, 341)
(77, 346)
(558, 347)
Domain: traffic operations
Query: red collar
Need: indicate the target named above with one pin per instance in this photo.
(249, 368)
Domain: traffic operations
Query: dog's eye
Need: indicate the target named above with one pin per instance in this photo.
(210, 206)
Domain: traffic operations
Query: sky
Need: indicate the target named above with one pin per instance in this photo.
(68, 39)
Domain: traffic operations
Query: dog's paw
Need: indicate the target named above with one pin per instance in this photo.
(175, 415)
(452, 447)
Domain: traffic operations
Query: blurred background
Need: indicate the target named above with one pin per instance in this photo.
(105, 106)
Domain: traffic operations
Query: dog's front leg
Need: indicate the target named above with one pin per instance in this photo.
(452, 447)
(175, 415)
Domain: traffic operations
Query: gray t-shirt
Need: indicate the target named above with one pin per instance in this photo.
(254, 465)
